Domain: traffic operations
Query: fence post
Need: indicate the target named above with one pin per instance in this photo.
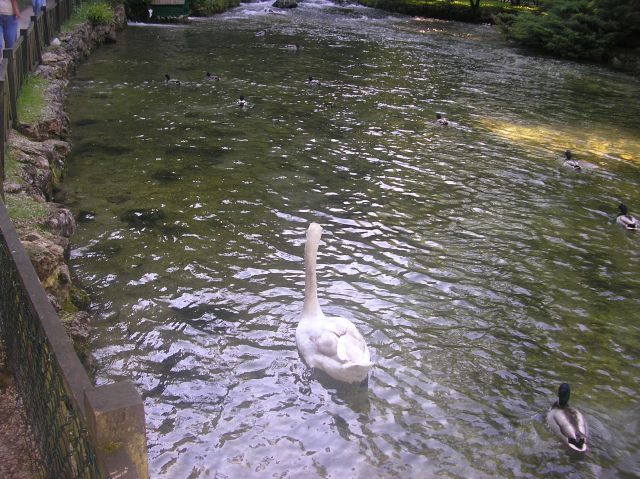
(48, 35)
(10, 75)
(116, 424)
(3, 124)
(37, 27)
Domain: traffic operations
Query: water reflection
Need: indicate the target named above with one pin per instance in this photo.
(480, 272)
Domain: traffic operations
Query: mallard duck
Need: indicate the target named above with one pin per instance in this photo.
(242, 102)
(571, 162)
(331, 344)
(568, 422)
(212, 77)
(312, 81)
(625, 219)
(440, 120)
(171, 81)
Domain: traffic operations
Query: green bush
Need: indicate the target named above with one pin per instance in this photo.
(579, 29)
(99, 13)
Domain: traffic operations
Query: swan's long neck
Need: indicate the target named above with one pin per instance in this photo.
(311, 303)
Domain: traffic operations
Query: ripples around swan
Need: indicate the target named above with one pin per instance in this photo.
(479, 271)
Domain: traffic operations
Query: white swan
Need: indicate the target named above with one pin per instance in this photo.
(568, 422)
(333, 345)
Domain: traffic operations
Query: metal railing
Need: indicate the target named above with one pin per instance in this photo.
(81, 431)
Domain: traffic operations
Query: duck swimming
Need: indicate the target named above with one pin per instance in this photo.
(625, 219)
(242, 102)
(170, 81)
(212, 77)
(440, 120)
(567, 422)
(570, 162)
(312, 81)
(331, 344)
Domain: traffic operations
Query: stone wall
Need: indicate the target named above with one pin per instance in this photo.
(40, 150)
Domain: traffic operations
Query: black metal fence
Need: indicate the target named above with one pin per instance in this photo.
(82, 431)
(49, 376)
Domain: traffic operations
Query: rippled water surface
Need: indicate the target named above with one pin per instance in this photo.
(481, 272)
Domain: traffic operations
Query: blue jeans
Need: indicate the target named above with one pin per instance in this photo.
(37, 6)
(9, 28)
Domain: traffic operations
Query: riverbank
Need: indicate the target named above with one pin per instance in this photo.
(35, 166)
(462, 11)
(35, 159)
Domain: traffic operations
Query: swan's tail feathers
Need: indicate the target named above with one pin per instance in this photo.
(578, 444)
(358, 372)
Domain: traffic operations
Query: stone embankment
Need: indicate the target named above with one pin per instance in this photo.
(40, 150)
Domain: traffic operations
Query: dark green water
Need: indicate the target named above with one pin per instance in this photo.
(481, 272)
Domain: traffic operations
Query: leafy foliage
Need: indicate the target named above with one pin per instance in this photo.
(581, 29)
(97, 13)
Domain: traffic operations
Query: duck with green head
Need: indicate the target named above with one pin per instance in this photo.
(625, 219)
(567, 422)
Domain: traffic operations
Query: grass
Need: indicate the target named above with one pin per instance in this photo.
(24, 210)
(31, 101)
(12, 167)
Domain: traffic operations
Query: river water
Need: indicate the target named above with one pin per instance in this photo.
(481, 272)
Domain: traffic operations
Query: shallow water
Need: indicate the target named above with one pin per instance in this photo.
(481, 272)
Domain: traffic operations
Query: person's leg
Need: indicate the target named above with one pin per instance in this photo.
(2, 32)
(10, 30)
(37, 6)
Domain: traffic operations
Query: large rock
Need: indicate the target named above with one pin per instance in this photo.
(42, 164)
(48, 260)
(285, 4)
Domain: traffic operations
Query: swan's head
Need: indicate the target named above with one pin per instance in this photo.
(564, 392)
(567, 154)
(623, 209)
(314, 230)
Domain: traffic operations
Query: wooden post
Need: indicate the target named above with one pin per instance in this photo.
(10, 77)
(3, 125)
(115, 418)
(37, 27)
(48, 35)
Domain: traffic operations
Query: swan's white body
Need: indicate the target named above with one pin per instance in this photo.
(333, 345)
